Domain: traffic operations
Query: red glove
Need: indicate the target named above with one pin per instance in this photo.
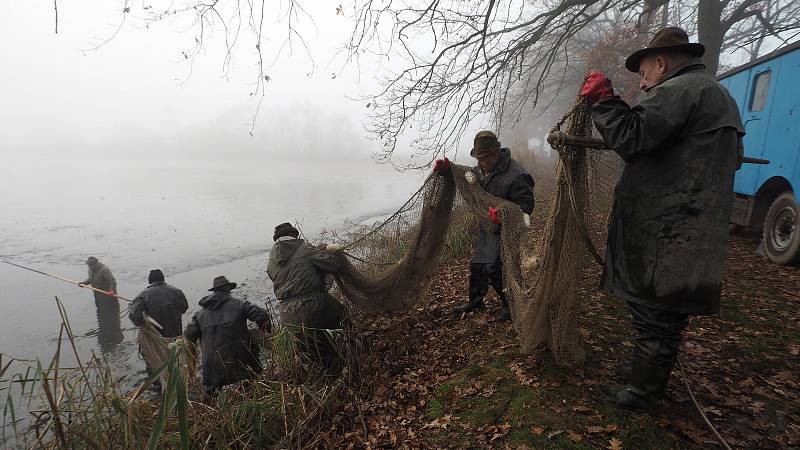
(111, 293)
(596, 87)
(441, 165)
(494, 215)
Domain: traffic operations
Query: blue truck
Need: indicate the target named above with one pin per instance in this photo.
(767, 91)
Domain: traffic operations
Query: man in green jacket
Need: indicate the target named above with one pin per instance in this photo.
(109, 330)
(298, 271)
(668, 233)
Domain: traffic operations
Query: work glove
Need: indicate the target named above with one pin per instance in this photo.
(441, 166)
(470, 177)
(494, 215)
(527, 219)
(596, 87)
(334, 248)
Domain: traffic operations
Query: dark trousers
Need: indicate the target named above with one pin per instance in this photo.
(481, 275)
(656, 347)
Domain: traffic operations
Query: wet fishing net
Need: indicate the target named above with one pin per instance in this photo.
(387, 264)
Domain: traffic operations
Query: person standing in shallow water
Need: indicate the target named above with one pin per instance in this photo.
(164, 303)
(109, 331)
(668, 231)
(502, 176)
(229, 352)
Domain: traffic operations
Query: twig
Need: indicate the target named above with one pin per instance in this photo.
(700, 410)
(55, 7)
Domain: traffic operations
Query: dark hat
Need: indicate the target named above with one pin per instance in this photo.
(485, 144)
(155, 275)
(285, 229)
(92, 260)
(666, 39)
(222, 282)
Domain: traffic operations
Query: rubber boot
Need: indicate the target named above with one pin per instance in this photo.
(504, 315)
(624, 370)
(473, 304)
(644, 389)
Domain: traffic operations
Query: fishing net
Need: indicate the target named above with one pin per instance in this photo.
(386, 264)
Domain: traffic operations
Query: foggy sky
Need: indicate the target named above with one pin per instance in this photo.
(128, 100)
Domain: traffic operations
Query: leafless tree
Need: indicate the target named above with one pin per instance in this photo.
(462, 61)
(241, 24)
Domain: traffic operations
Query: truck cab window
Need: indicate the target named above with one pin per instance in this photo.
(758, 99)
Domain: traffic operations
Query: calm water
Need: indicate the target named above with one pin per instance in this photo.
(192, 220)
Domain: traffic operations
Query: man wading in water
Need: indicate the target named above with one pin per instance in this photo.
(109, 332)
(229, 352)
(668, 233)
(165, 304)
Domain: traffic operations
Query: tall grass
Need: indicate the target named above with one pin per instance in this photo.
(289, 405)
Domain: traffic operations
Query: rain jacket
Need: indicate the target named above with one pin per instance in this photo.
(298, 271)
(100, 277)
(164, 303)
(509, 181)
(668, 232)
(229, 352)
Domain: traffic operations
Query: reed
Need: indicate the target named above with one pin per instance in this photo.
(289, 405)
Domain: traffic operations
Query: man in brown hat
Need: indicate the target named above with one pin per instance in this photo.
(297, 270)
(668, 232)
(501, 176)
(229, 352)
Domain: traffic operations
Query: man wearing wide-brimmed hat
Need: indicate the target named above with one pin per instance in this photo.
(229, 352)
(500, 175)
(668, 232)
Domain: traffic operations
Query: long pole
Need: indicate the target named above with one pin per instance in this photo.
(85, 286)
(559, 138)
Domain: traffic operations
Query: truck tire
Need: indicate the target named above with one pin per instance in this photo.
(782, 230)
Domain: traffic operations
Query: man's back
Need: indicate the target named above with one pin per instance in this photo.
(229, 353)
(164, 303)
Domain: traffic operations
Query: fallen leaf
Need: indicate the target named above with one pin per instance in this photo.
(614, 444)
(536, 431)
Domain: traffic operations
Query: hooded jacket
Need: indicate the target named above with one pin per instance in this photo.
(509, 181)
(229, 352)
(668, 232)
(298, 271)
(164, 303)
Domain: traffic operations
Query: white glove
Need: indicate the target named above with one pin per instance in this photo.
(334, 248)
(527, 219)
(470, 177)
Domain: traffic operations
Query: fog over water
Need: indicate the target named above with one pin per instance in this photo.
(120, 154)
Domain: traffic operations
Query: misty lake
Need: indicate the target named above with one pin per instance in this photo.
(194, 220)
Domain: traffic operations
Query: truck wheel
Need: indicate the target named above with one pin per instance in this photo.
(781, 230)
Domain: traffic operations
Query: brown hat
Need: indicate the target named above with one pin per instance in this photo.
(221, 282)
(485, 144)
(669, 39)
(285, 229)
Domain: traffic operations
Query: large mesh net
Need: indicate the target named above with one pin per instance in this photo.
(387, 264)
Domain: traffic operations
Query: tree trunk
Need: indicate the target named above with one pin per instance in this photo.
(710, 32)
